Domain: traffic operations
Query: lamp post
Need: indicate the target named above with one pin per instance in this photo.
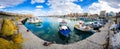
(117, 15)
(116, 19)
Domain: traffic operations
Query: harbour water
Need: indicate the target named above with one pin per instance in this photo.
(48, 30)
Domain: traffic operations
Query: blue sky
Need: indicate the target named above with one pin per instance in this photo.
(51, 7)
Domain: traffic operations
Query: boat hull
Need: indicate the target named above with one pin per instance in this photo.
(63, 37)
(96, 27)
(64, 34)
(78, 31)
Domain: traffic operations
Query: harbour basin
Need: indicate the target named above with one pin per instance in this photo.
(49, 27)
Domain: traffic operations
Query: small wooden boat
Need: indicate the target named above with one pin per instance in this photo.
(64, 32)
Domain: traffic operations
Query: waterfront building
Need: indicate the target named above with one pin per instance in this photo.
(86, 14)
(112, 14)
(102, 13)
(94, 16)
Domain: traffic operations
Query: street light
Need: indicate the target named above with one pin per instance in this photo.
(117, 15)
(116, 19)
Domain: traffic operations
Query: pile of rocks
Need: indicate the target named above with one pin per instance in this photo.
(116, 41)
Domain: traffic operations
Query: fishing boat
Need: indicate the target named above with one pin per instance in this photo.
(82, 28)
(34, 20)
(64, 32)
(97, 25)
(63, 23)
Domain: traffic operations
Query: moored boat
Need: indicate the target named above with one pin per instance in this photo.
(64, 32)
(34, 20)
(96, 25)
(82, 28)
(63, 23)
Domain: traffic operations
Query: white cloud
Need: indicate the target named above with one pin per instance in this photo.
(37, 1)
(66, 8)
(94, 8)
(2, 7)
(10, 3)
(112, 3)
(102, 5)
(80, 0)
(63, 7)
(118, 4)
(39, 7)
(58, 7)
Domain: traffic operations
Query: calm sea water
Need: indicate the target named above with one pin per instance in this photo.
(48, 30)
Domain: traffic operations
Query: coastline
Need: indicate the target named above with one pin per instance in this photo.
(95, 41)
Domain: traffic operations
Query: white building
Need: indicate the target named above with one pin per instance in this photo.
(103, 14)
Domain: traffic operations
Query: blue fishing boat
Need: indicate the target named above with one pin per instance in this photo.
(64, 33)
(64, 30)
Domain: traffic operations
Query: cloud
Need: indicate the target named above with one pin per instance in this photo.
(2, 7)
(40, 12)
(58, 7)
(61, 7)
(118, 4)
(37, 1)
(10, 3)
(66, 8)
(102, 5)
(112, 3)
(94, 8)
(80, 0)
(39, 7)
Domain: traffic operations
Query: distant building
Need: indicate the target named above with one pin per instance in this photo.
(93, 16)
(103, 14)
(74, 14)
(86, 14)
(118, 14)
(112, 14)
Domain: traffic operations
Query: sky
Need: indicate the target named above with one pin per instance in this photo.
(59, 7)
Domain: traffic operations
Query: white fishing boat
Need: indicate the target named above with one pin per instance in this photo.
(82, 28)
(34, 20)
